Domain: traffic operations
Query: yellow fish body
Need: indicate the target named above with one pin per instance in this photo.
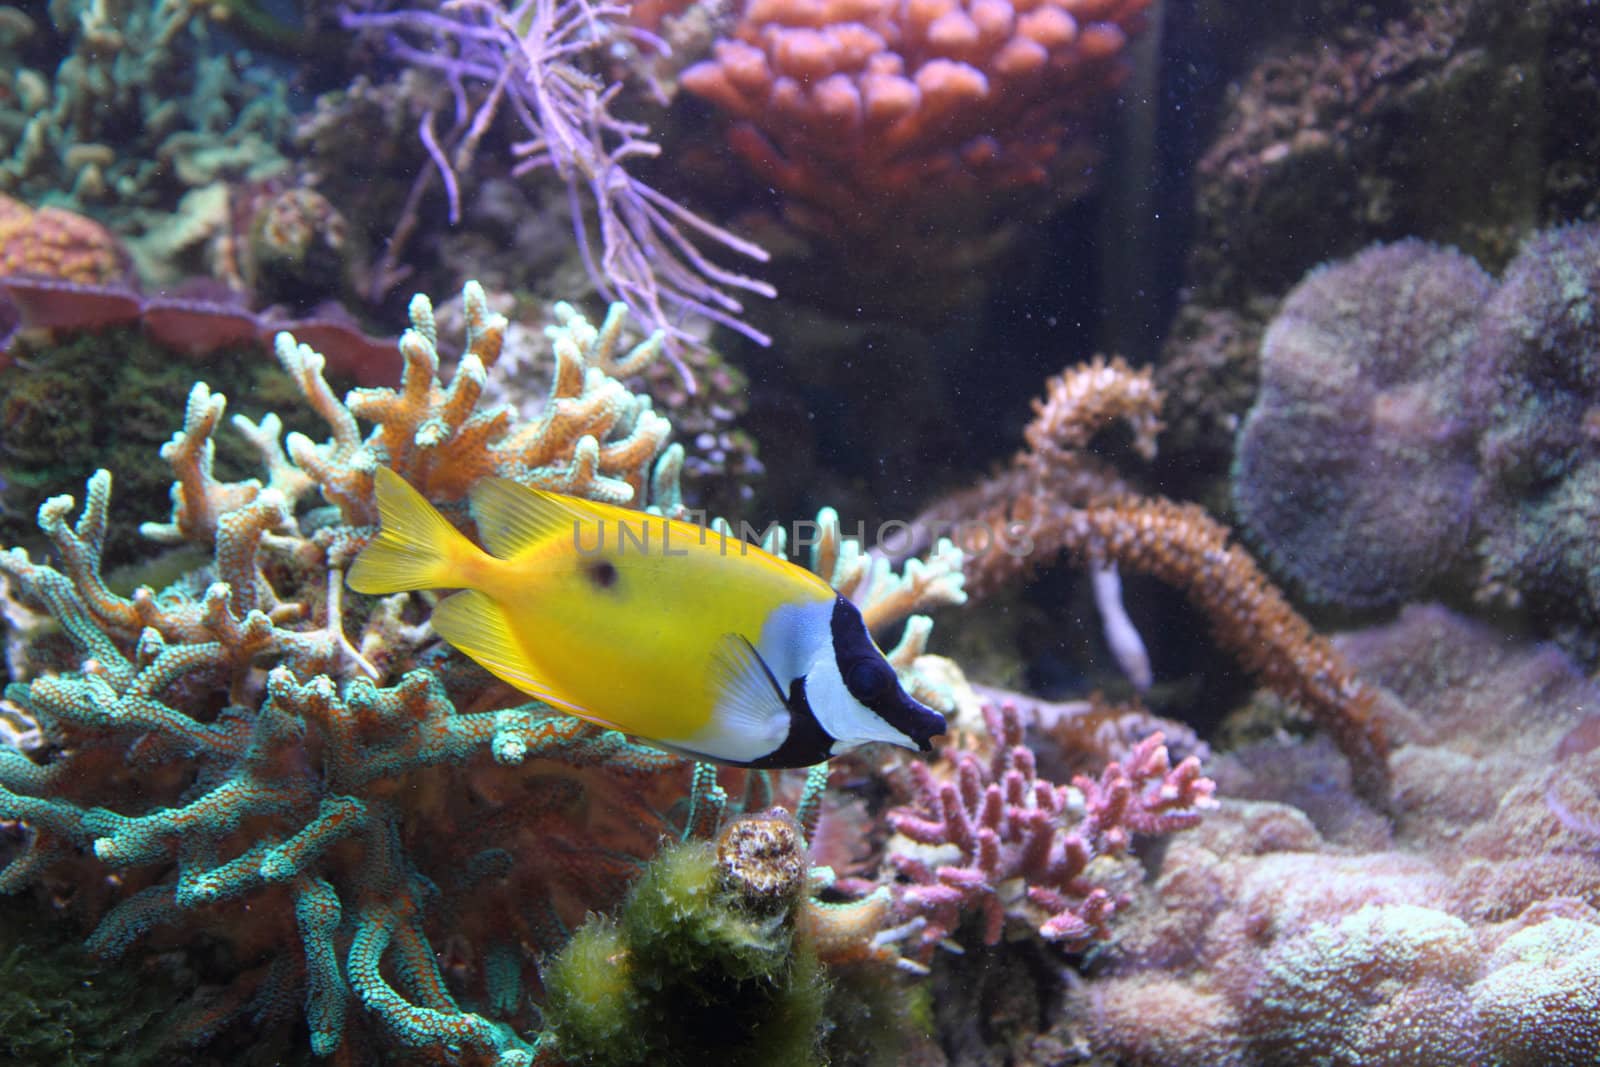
(662, 629)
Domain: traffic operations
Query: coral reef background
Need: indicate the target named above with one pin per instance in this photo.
(1265, 636)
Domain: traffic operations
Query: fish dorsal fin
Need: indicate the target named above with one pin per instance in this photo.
(749, 701)
(512, 517)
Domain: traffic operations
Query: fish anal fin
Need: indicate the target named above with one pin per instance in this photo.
(476, 624)
(512, 517)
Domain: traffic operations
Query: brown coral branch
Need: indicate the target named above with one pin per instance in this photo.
(1054, 500)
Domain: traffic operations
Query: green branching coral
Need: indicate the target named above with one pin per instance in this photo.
(146, 106)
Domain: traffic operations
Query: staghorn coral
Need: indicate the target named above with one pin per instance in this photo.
(721, 470)
(281, 793)
(592, 437)
(995, 839)
(1054, 499)
(1356, 467)
(276, 795)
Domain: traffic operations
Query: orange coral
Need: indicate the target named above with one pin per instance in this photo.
(841, 101)
(57, 244)
(593, 437)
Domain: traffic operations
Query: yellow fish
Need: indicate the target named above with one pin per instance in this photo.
(662, 629)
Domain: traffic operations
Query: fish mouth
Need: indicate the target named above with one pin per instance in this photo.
(925, 723)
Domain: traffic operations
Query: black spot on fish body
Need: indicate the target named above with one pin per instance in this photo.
(602, 573)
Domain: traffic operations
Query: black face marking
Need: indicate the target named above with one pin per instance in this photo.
(872, 681)
(602, 573)
(869, 679)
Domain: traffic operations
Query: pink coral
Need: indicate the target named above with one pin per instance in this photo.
(194, 327)
(840, 101)
(1465, 931)
(1003, 822)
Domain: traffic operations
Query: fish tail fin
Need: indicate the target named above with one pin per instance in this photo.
(416, 547)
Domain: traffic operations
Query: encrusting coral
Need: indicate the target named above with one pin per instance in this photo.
(1292, 926)
(383, 838)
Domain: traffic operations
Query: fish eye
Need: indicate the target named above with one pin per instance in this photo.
(869, 679)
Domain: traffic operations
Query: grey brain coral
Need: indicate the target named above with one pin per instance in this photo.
(1541, 457)
(1355, 469)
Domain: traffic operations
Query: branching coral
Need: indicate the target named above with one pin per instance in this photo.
(1055, 499)
(1000, 841)
(593, 437)
(913, 109)
(214, 787)
(141, 110)
(281, 789)
(251, 755)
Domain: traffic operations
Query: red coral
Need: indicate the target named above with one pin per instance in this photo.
(861, 107)
(1007, 823)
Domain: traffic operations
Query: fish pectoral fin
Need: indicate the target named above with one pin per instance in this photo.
(477, 625)
(512, 517)
(749, 701)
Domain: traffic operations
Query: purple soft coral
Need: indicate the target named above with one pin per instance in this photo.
(1006, 823)
(522, 59)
